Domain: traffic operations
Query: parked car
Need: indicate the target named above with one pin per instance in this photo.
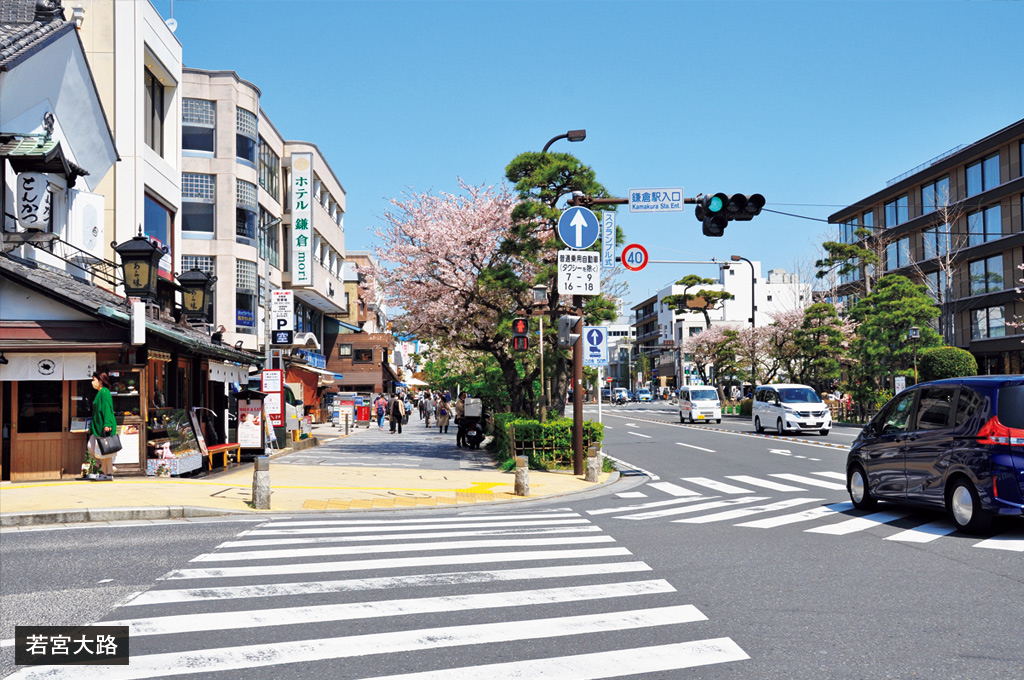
(643, 395)
(699, 403)
(790, 408)
(956, 444)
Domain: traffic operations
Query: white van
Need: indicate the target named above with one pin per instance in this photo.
(699, 403)
(790, 408)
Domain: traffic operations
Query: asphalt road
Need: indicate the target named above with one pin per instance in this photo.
(725, 559)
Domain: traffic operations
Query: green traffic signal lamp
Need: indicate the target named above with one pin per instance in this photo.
(715, 203)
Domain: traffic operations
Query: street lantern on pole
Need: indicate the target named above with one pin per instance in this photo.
(915, 335)
(753, 313)
(140, 263)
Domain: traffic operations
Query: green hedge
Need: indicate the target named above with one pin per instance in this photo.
(555, 435)
(747, 407)
(946, 362)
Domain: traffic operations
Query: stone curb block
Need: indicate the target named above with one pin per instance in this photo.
(20, 519)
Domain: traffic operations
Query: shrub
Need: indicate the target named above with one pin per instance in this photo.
(747, 407)
(545, 444)
(500, 443)
(946, 362)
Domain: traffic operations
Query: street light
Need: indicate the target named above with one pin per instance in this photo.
(197, 294)
(140, 262)
(753, 311)
(571, 135)
(914, 334)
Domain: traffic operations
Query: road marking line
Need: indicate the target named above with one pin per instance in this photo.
(788, 440)
(1013, 540)
(699, 448)
(391, 563)
(781, 452)
(810, 480)
(313, 540)
(264, 654)
(720, 487)
(638, 434)
(560, 514)
(630, 425)
(597, 665)
(858, 523)
(421, 527)
(631, 494)
(694, 508)
(744, 512)
(652, 504)
(630, 466)
(673, 489)
(175, 624)
(832, 475)
(925, 533)
(805, 516)
(173, 595)
(767, 484)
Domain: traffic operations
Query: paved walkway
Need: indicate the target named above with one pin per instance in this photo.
(366, 470)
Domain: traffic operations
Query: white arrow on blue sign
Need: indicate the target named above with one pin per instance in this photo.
(595, 345)
(578, 228)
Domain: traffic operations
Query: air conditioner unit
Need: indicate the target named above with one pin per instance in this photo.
(85, 222)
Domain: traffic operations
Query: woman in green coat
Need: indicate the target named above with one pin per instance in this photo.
(103, 422)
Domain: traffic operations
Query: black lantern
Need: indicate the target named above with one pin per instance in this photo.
(140, 263)
(197, 294)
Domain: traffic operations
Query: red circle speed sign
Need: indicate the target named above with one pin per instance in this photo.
(634, 257)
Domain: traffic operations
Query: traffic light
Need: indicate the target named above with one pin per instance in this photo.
(715, 211)
(520, 334)
(566, 326)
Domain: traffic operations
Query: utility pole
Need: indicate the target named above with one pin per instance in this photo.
(577, 390)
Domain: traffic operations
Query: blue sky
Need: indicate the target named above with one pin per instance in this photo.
(813, 104)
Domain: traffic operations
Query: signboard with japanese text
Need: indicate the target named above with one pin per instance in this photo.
(282, 310)
(34, 201)
(656, 200)
(272, 384)
(250, 424)
(302, 219)
(595, 345)
(579, 272)
(608, 240)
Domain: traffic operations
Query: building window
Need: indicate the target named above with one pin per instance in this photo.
(988, 323)
(897, 211)
(344, 351)
(198, 125)
(936, 283)
(245, 296)
(362, 356)
(984, 225)
(203, 263)
(867, 219)
(983, 175)
(986, 276)
(157, 226)
(935, 241)
(897, 254)
(270, 170)
(154, 112)
(245, 136)
(846, 230)
(245, 212)
(269, 243)
(935, 195)
(198, 202)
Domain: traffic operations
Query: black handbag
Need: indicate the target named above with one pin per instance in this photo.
(109, 445)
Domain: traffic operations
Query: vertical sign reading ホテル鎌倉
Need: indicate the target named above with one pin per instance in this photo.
(302, 219)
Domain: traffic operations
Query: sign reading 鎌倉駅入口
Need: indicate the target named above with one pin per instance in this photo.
(302, 219)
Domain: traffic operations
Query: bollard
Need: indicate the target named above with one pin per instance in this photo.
(261, 483)
(593, 464)
(522, 476)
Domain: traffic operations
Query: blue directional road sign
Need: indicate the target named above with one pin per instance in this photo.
(595, 345)
(578, 228)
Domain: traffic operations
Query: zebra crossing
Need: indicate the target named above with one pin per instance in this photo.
(702, 500)
(384, 598)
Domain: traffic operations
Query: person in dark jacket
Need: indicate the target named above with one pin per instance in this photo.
(396, 412)
(102, 424)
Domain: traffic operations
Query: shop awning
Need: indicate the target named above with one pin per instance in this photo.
(228, 373)
(325, 377)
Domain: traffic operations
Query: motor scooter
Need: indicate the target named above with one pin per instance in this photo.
(474, 422)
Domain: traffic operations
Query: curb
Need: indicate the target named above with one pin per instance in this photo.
(23, 519)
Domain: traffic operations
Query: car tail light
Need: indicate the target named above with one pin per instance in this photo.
(994, 432)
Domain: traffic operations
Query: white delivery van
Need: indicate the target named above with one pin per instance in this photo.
(790, 408)
(699, 403)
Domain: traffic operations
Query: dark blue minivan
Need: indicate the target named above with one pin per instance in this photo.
(956, 444)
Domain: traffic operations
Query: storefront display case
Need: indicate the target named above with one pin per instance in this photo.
(126, 391)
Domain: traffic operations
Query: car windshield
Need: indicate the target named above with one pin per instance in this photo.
(704, 395)
(798, 395)
(645, 392)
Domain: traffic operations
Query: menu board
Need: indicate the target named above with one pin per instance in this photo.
(182, 434)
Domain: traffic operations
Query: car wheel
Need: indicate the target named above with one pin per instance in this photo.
(681, 418)
(965, 509)
(690, 416)
(718, 422)
(823, 433)
(757, 425)
(857, 484)
(778, 427)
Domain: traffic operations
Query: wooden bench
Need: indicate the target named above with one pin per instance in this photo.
(225, 452)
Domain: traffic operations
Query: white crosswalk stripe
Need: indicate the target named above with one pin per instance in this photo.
(925, 533)
(744, 512)
(1013, 541)
(858, 523)
(673, 489)
(711, 505)
(255, 616)
(805, 516)
(764, 483)
(800, 479)
(720, 487)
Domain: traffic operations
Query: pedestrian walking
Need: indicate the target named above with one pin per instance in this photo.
(381, 405)
(460, 422)
(102, 424)
(444, 414)
(397, 413)
(427, 410)
(408, 408)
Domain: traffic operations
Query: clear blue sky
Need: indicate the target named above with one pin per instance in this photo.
(813, 104)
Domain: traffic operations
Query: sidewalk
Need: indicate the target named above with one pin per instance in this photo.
(366, 470)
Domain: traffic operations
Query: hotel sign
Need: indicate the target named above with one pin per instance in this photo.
(302, 219)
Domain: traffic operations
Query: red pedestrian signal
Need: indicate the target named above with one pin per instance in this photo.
(520, 334)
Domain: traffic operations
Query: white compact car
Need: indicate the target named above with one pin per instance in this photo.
(699, 403)
(790, 408)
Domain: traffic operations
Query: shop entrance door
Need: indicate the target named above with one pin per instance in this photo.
(42, 444)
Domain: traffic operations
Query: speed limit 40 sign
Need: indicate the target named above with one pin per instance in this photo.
(634, 257)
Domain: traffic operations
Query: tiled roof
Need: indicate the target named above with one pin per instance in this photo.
(22, 33)
(101, 302)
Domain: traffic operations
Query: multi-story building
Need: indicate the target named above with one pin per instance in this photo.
(954, 225)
